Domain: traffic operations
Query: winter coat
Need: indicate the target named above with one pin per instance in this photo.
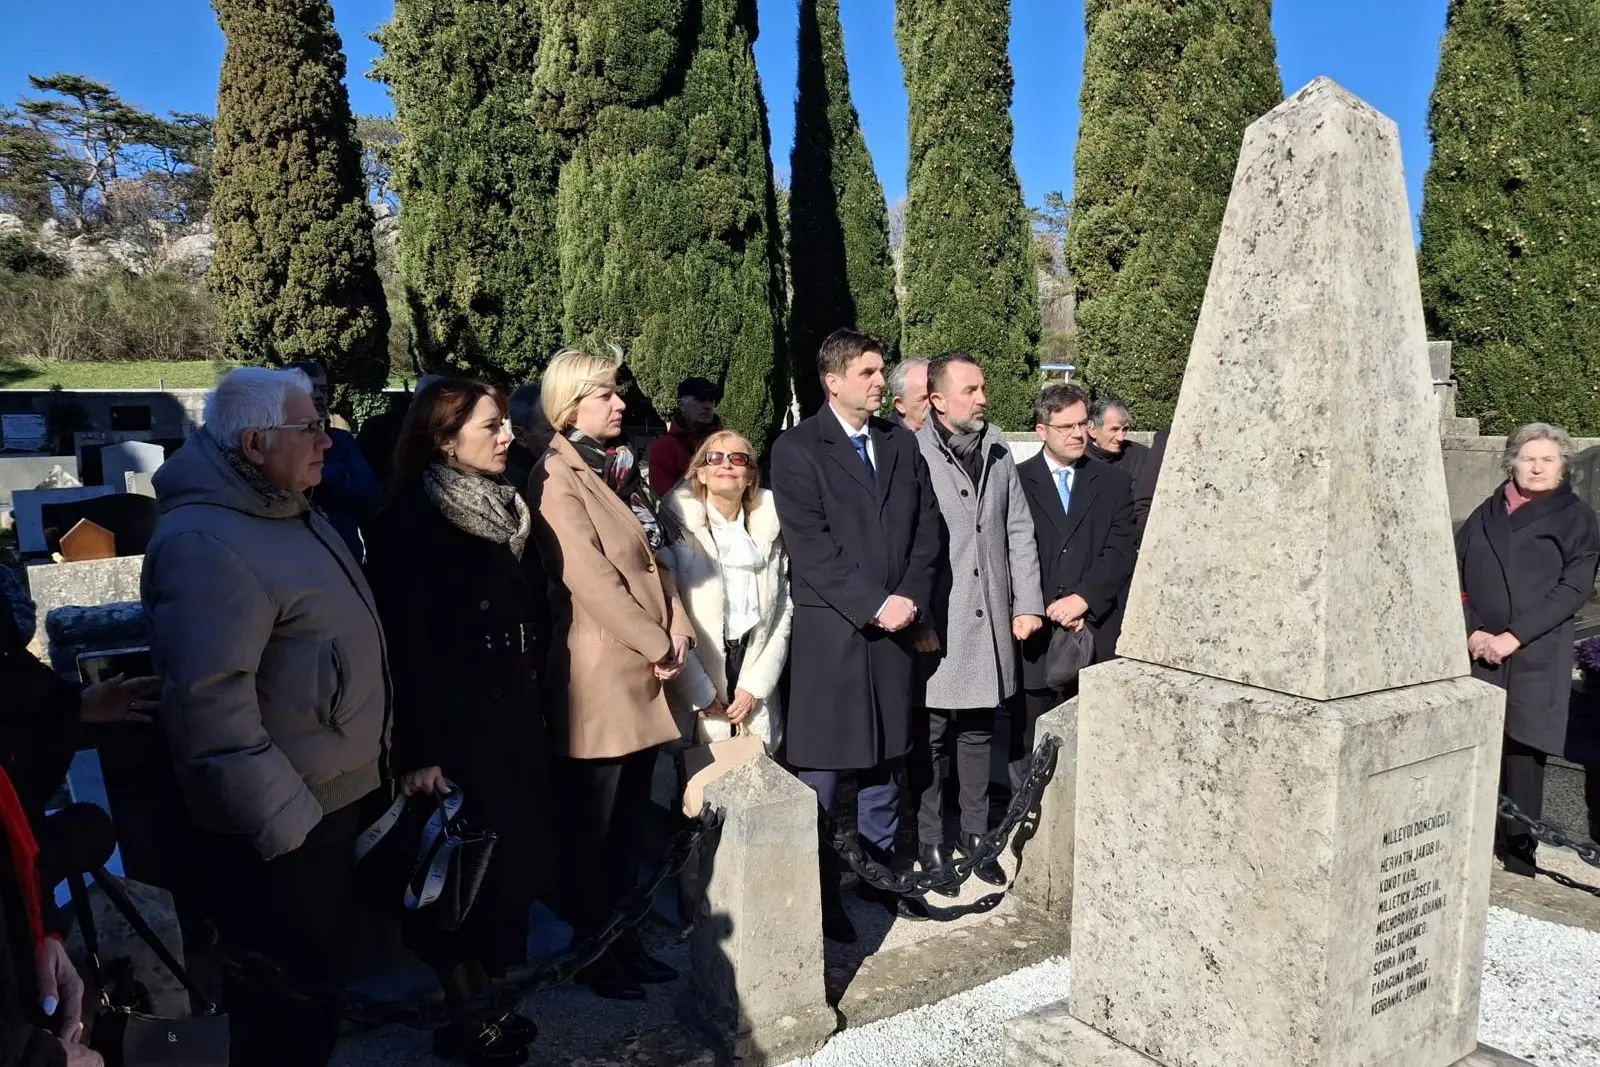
(614, 611)
(276, 703)
(460, 616)
(1088, 550)
(853, 538)
(704, 679)
(23, 1040)
(988, 575)
(1529, 574)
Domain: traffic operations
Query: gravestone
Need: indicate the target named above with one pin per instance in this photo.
(1286, 789)
(26, 472)
(130, 517)
(26, 507)
(129, 457)
(88, 540)
(90, 584)
(23, 432)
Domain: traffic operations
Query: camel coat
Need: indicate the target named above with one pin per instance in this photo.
(617, 605)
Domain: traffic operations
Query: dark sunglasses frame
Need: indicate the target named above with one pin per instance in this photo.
(738, 459)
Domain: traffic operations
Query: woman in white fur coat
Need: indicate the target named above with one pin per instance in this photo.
(733, 576)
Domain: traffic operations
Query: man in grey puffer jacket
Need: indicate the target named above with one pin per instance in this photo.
(276, 701)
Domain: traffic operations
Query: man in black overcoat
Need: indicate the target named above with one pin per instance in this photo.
(1084, 528)
(861, 524)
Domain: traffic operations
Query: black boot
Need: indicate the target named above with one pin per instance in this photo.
(518, 1028)
(1520, 855)
(607, 978)
(630, 952)
(935, 858)
(989, 872)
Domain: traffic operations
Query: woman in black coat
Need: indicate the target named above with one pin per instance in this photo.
(1527, 557)
(446, 558)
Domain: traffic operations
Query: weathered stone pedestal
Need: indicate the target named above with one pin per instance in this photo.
(1286, 789)
(757, 942)
(1044, 869)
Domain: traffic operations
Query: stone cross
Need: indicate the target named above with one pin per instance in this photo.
(1286, 789)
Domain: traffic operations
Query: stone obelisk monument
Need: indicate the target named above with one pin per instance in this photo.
(1286, 789)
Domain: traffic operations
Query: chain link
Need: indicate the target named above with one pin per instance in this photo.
(430, 1013)
(952, 875)
(1550, 834)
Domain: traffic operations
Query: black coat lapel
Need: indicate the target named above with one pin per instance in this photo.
(1037, 482)
(886, 457)
(842, 452)
(1085, 485)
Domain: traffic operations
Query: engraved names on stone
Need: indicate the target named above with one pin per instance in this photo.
(1411, 893)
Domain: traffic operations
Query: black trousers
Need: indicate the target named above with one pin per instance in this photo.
(296, 910)
(967, 734)
(1025, 709)
(1521, 779)
(610, 799)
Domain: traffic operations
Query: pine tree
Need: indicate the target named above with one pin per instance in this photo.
(1168, 90)
(1510, 262)
(968, 258)
(666, 213)
(477, 177)
(840, 268)
(295, 271)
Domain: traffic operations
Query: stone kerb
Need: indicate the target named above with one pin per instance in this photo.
(1044, 864)
(89, 583)
(757, 941)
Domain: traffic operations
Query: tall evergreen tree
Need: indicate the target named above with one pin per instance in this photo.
(295, 271)
(840, 269)
(477, 178)
(1167, 92)
(968, 256)
(1510, 262)
(666, 213)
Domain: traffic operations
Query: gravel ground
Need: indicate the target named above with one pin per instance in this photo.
(1541, 1001)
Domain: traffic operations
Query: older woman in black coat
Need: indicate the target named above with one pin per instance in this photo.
(1527, 558)
(449, 561)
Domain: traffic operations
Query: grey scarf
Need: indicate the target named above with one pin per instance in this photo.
(258, 481)
(481, 506)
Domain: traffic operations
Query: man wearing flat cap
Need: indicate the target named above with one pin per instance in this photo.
(694, 420)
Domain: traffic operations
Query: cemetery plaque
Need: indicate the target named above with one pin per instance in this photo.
(23, 433)
(88, 540)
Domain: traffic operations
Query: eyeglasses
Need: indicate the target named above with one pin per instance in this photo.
(310, 427)
(1066, 427)
(738, 459)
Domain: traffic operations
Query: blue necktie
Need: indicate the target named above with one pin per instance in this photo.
(1064, 489)
(866, 460)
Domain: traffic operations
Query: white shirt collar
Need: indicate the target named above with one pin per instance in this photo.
(1054, 467)
(848, 432)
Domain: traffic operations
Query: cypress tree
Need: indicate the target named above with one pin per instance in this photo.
(294, 271)
(477, 178)
(1510, 261)
(666, 213)
(968, 261)
(1168, 90)
(840, 269)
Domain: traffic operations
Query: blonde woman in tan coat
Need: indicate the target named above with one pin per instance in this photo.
(600, 531)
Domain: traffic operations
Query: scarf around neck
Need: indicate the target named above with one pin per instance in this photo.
(481, 506)
(257, 481)
(619, 469)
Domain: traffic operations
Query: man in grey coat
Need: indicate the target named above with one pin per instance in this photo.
(986, 597)
(276, 703)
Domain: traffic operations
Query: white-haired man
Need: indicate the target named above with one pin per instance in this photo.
(276, 701)
(908, 386)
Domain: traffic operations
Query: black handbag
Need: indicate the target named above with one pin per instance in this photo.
(422, 854)
(123, 1030)
(1070, 651)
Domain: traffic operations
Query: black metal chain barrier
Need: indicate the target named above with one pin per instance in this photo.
(430, 1013)
(953, 874)
(1549, 834)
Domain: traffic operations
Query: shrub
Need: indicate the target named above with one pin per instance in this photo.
(105, 319)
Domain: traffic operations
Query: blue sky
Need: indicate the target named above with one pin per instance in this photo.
(164, 54)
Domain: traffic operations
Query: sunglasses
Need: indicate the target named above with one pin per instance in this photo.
(738, 459)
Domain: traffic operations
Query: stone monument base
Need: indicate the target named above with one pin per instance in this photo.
(1051, 1037)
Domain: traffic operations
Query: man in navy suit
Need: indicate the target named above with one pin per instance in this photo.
(1084, 527)
(861, 524)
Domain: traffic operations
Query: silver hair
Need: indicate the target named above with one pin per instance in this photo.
(902, 371)
(1535, 431)
(1105, 405)
(251, 398)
